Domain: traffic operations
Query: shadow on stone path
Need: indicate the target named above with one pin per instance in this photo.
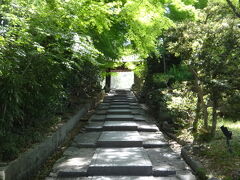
(120, 142)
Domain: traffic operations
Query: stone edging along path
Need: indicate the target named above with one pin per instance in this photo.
(195, 165)
(30, 161)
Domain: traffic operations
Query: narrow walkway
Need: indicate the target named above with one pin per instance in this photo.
(120, 143)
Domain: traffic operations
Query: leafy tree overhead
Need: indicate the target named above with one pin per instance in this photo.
(45, 46)
(234, 5)
(52, 51)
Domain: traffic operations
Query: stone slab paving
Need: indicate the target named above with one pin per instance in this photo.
(121, 106)
(94, 126)
(123, 111)
(119, 100)
(74, 163)
(120, 126)
(119, 178)
(120, 143)
(146, 136)
(119, 111)
(134, 178)
(88, 139)
(165, 162)
(120, 161)
(97, 118)
(124, 117)
(147, 127)
(119, 117)
(120, 139)
(123, 103)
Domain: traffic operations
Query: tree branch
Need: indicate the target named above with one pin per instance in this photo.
(233, 8)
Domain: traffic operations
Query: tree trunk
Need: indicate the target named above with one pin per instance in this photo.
(200, 97)
(234, 8)
(108, 80)
(195, 122)
(205, 112)
(164, 64)
(214, 113)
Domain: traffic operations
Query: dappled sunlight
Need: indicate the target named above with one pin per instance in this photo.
(120, 157)
(230, 124)
(185, 135)
(73, 162)
(120, 136)
(145, 16)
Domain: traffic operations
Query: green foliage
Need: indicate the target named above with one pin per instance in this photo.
(201, 4)
(221, 162)
(202, 174)
(203, 135)
(180, 11)
(194, 74)
(230, 106)
(176, 73)
(40, 70)
(54, 51)
(209, 48)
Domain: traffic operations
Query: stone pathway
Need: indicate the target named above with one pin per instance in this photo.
(120, 142)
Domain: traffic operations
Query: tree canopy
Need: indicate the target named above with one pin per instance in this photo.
(52, 51)
(44, 43)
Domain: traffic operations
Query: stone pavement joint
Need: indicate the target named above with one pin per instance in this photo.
(120, 142)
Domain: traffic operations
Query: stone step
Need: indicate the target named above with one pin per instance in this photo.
(119, 103)
(124, 178)
(132, 178)
(119, 100)
(123, 106)
(120, 161)
(122, 111)
(122, 103)
(148, 127)
(86, 140)
(119, 111)
(152, 136)
(165, 162)
(95, 126)
(117, 117)
(155, 144)
(120, 139)
(97, 118)
(122, 94)
(74, 163)
(120, 126)
(124, 117)
(114, 117)
(120, 144)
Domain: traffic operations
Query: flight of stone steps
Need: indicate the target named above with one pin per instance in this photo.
(120, 142)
